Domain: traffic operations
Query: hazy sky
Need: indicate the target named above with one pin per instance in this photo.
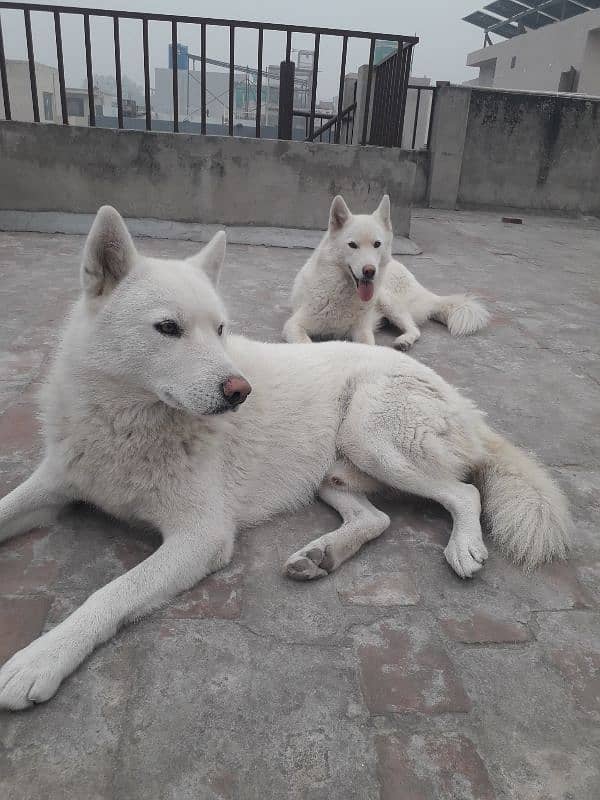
(445, 39)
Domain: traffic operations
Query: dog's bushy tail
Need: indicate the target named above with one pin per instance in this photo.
(524, 510)
(461, 313)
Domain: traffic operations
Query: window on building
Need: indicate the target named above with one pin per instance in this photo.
(75, 106)
(48, 106)
(513, 62)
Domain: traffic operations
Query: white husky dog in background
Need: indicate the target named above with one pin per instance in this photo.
(137, 418)
(351, 283)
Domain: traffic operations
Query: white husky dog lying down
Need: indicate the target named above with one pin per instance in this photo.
(136, 423)
(351, 283)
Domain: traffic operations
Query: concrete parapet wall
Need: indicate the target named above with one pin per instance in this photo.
(533, 151)
(524, 150)
(189, 178)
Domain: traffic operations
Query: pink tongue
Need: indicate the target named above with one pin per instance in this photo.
(365, 290)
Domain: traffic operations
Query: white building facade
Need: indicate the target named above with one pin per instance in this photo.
(561, 56)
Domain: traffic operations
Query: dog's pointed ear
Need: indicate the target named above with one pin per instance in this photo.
(210, 259)
(339, 213)
(109, 253)
(383, 212)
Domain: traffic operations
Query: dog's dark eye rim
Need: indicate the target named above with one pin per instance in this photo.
(220, 329)
(377, 243)
(353, 245)
(168, 327)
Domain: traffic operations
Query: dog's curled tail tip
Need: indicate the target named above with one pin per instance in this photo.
(525, 512)
(462, 314)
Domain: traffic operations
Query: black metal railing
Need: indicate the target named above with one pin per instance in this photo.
(389, 98)
(335, 127)
(340, 127)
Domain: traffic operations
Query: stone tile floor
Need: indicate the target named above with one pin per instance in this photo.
(391, 679)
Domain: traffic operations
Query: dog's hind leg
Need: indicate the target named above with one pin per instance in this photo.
(361, 522)
(190, 553)
(416, 447)
(35, 502)
(465, 551)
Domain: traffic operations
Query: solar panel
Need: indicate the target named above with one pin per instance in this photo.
(550, 12)
(481, 20)
(506, 8)
(536, 20)
(507, 30)
(570, 9)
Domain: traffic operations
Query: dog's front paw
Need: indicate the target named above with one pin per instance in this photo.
(465, 556)
(310, 563)
(32, 675)
(402, 345)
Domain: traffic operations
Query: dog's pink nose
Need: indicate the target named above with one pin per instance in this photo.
(369, 273)
(236, 390)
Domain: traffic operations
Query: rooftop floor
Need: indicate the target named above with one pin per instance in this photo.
(392, 678)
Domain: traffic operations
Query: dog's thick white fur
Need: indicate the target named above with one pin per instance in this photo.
(351, 283)
(133, 425)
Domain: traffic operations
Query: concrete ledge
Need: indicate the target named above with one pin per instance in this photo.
(190, 178)
(59, 222)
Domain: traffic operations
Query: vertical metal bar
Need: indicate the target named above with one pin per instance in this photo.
(117, 45)
(30, 57)
(88, 68)
(4, 78)
(147, 95)
(203, 78)
(285, 121)
(259, 81)
(61, 69)
(340, 108)
(365, 128)
(396, 131)
(408, 66)
(313, 94)
(414, 136)
(231, 76)
(397, 127)
(350, 134)
(175, 70)
(288, 46)
(431, 113)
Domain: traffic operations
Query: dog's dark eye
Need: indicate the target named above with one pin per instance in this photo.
(220, 330)
(376, 244)
(353, 245)
(168, 327)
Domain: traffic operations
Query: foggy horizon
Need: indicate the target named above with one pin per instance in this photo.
(445, 40)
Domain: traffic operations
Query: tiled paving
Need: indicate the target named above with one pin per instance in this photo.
(391, 679)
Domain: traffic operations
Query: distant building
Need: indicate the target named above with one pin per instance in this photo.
(78, 106)
(19, 87)
(48, 92)
(421, 132)
(549, 46)
(189, 94)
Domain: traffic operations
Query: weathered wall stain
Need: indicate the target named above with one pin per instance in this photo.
(551, 112)
(535, 151)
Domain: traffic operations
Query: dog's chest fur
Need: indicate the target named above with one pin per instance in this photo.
(330, 296)
(133, 462)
